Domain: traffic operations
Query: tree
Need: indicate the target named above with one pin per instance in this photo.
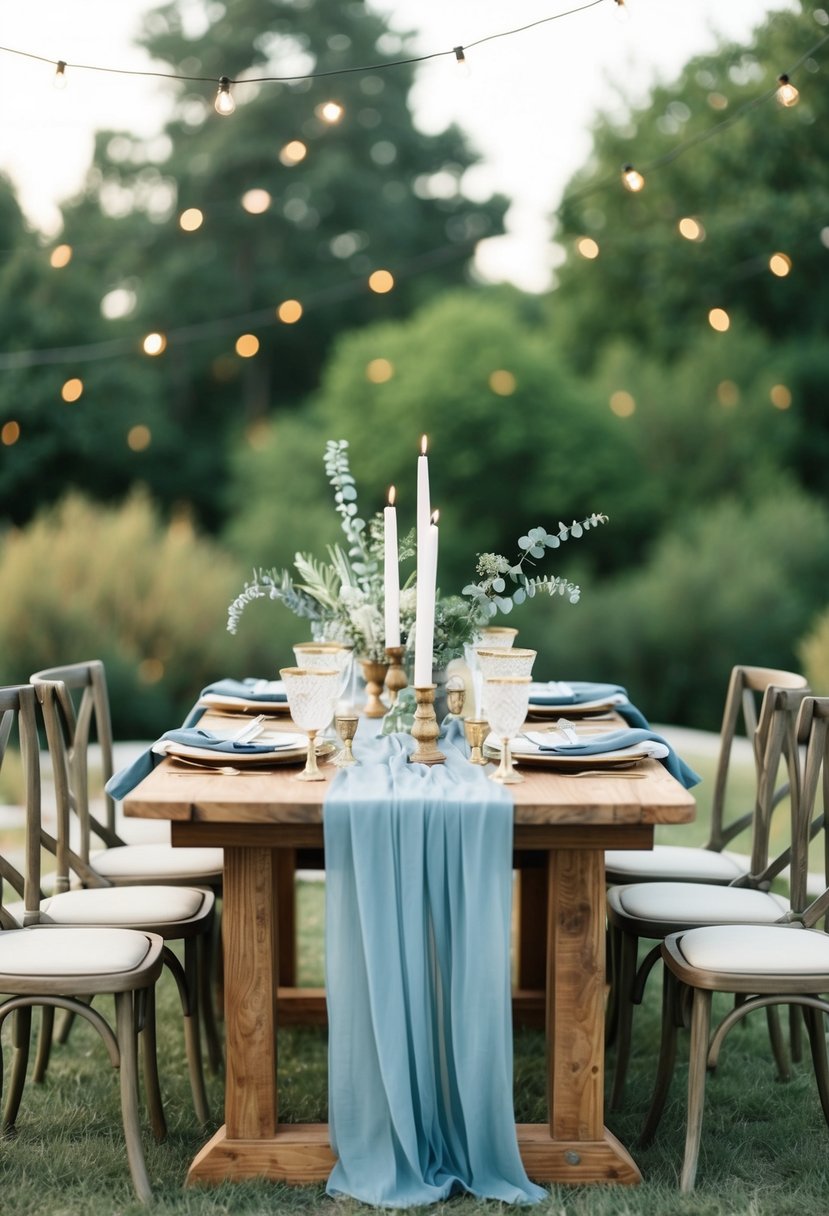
(340, 200)
(759, 186)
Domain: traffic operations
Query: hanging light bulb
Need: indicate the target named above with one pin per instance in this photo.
(787, 94)
(59, 80)
(461, 60)
(224, 103)
(632, 180)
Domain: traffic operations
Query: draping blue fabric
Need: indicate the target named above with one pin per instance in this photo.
(615, 740)
(583, 690)
(418, 893)
(120, 784)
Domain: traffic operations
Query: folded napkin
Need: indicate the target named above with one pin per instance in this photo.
(249, 689)
(618, 740)
(120, 784)
(576, 692)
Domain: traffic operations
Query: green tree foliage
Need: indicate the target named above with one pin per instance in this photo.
(514, 441)
(83, 581)
(759, 186)
(369, 192)
(731, 584)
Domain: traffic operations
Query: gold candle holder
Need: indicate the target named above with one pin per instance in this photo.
(476, 730)
(425, 729)
(346, 727)
(374, 674)
(396, 679)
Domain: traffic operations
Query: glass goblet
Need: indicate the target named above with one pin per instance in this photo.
(507, 698)
(311, 696)
(325, 655)
(504, 661)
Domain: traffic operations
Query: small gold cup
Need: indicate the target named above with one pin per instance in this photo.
(476, 730)
(346, 727)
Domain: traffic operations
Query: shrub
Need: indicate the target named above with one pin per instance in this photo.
(117, 583)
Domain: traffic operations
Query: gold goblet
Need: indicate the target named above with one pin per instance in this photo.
(507, 698)
(346, 727)
(476, 730)
(311, 698)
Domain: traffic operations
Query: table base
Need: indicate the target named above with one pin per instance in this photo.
(300, 1154)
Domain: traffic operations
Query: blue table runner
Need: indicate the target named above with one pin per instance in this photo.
(418, 903)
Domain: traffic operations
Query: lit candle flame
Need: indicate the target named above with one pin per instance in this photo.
(435, 517)
(391, 496)
(423, 446)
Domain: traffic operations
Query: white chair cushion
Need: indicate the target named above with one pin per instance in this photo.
(157, 861)
(688, 903)
(759, 949)
(143, 906)
(677, 863)
(46, 951)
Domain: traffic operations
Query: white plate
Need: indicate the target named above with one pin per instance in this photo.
(524, 753)
(569, 709)
(284, 755)
(237, 705)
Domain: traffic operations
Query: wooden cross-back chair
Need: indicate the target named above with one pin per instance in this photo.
(64, 967)
(652, 910)
(764, 966)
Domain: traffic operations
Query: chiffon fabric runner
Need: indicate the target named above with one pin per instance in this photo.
(418, 893)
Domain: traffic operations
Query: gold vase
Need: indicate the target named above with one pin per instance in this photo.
(374, 675)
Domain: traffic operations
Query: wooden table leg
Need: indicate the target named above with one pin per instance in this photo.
(531, 944)
(251, 1143)
(575, 1146)
(286, 915)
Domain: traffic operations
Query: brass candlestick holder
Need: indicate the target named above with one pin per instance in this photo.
(374, 674)
(425, 728)
(396, 679)
(476, 730)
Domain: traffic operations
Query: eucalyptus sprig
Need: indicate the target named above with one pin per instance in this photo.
(491, 593)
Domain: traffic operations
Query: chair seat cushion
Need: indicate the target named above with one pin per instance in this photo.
(143, 906)
(44, 951)
(677, 863)
(158, 861)
(757, 949)
(688, 903)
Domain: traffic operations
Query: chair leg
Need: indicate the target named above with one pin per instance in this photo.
(795, 1036)
(611, 1022)
(21, 1035)
(624, 1017)
(817, 1041)
(44, 1043)
(778, 1046)
(192, 1041)
(219, 965)
(65, 1027)
(697, 1066)
(149, 1057)
(208, 1010)
(667, 1057)
(128, 1048)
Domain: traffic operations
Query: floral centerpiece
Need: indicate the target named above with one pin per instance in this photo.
(342, 596)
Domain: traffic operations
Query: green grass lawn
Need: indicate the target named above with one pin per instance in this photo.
(765, 1148)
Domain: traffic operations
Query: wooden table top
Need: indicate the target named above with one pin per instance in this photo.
(275, 796)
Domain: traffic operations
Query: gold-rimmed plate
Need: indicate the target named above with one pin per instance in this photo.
(569, 709)
(295, 754)
(628, 758)
(237, 705)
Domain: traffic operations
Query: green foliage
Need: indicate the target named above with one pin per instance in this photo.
(731, 584)
(814, 655)
(149, 599)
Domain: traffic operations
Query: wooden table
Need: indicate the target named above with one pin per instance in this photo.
(260, 818)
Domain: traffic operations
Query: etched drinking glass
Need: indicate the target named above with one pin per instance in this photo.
(507, 698)
(503, 661)
(312, 696)
(325, 655)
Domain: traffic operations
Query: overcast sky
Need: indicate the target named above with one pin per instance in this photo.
(526, 102)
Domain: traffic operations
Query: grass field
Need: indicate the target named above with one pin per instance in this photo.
(765, 1149)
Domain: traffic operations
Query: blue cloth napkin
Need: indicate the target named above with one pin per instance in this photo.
(586, 691)
(418, 894)
(233, 688)
(120, 784)
(616, 740)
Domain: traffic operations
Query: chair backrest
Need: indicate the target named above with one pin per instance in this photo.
(744, 701)
(18, 704)
(68, 734)
(813, 730)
